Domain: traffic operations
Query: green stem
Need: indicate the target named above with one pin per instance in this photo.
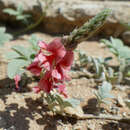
(28, 28)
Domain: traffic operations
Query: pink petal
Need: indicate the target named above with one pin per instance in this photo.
(17, 78)
(56, 74)
(41, 57)
(57, 48)
(36, 89)
(46, 66)
(42, 45)
(45, 85)
(34, 68)
(64, 73)
(68, 59)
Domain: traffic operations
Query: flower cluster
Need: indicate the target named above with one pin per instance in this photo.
(51, 63)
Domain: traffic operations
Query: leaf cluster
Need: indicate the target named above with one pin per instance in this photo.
(122, 52)
(4, 37)
(20, 57)
(57, 103)
(18, 13)
(97, 65)
(104, 93)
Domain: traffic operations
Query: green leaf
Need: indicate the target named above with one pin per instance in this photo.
(73, 102)
(20, 9)
(22, 51)
(104, 92)
(10, 11)
(116, 43)
(18, 13)
(22, 17)
(34, 42)
(124, 52)
(16, 67)
(4, 37)
(106, 42)
(12, 55)
(116, 47)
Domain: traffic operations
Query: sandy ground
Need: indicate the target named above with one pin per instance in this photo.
(25, 111)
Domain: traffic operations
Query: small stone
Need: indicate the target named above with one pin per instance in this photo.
(124, 114)
(2, 122)
(91, 127)
(77, 128)
(11, 128)
(77, 111)
(114, 110)
(120, 101)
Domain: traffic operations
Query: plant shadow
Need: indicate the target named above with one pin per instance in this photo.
(7, 86)
(20, 117)
(116, 126)
(91, 107)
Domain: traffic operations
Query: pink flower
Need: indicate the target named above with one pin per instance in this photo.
(53, 53)
(17, 78)
(45, 84)
(35, 68)
(56, 62)
(49, 55)
(61, 69)
(55, 49)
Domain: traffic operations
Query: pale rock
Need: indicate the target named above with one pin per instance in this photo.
(63, 15)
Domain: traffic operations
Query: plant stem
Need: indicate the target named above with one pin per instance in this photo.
(28, 28)
(32, 26)
(103, 116)
(86, 31)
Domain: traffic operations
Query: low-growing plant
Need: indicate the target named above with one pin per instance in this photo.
(97, 65)
(18, 13)
(104, 93)
(51, 62)
(57, 103)
(122, 52)
(25, 18)
(4, 37)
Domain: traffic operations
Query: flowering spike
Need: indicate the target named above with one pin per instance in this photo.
(86, 31)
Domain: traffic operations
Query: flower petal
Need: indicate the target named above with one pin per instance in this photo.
(56, 74)
(36, 89)
(57, 48)
(17, 78)
(67, 61)
(42, 45)
(45, 85)
(41, 57)
(34, 68)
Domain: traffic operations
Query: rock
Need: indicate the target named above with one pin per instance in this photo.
(77, 111)
(126, 37)
(63, 16)
(120, 101)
